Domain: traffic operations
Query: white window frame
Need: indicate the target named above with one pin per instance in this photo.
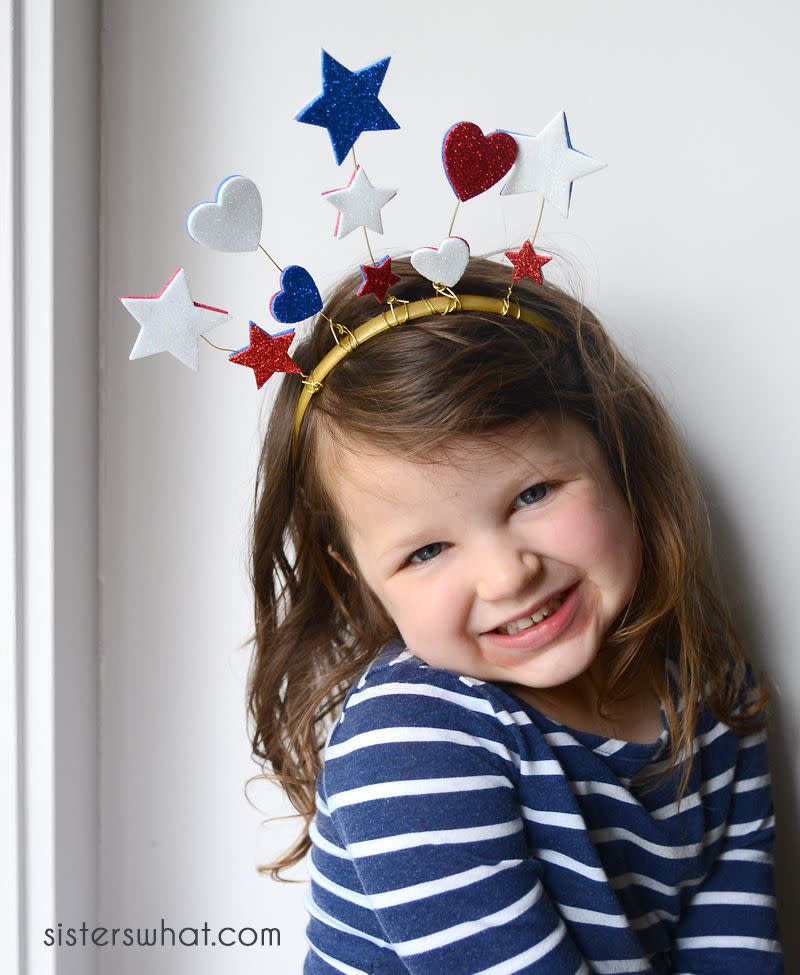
(49, 169)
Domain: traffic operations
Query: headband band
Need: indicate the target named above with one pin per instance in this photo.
(441, 304)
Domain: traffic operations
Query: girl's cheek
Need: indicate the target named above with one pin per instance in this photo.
(592, 529)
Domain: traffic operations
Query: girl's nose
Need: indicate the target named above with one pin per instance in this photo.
(504, 571)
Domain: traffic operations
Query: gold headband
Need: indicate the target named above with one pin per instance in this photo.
(441, 304)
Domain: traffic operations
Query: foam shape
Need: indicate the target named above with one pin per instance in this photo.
(474, 162)
(527, 263)
(233, 221)
(548, 163)
(171, 321)
(348, 104)
(359, 204)
(299, 297)
(266, 354)
(377, 278)
(444, 264)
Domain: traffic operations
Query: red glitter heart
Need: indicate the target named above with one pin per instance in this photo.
(474, 162)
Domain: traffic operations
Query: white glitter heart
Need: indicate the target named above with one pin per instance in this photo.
(233, 222)
(445, 264)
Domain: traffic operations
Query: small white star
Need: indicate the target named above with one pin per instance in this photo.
(359, 204)
(546, 163)
(172, 322)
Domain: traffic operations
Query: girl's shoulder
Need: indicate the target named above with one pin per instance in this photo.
(398, 689)
(403, 719)
(397, 672)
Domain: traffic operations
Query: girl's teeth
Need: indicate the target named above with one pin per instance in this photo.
(522, 624)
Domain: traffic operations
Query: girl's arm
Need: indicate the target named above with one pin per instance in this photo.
(421, 792)
(730, 923)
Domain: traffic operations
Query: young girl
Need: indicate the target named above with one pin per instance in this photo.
(494, 671)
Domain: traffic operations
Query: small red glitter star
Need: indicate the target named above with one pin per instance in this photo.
(266, 354)
(378, 278)
(527, 263)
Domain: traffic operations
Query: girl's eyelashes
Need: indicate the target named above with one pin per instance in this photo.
(536, 494)
(534, 491)
(425, 548)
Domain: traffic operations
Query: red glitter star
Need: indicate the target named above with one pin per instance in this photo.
(266, 354)
(527, 263)
(378, 278)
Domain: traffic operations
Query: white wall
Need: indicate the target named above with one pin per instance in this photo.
(686, 245)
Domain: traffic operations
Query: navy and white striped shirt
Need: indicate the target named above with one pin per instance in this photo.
(459, 830)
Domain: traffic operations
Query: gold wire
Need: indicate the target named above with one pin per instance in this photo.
(366, 238)
(453, 220)
(350, 342)
(431, 309)
(507, 299)
(507, 303)
(271, 258)
(395, 320)
(332, 325)
(453, 301)
(538, 222)
(343, 330)
(221, 349)
(366, 235)
(313, 384)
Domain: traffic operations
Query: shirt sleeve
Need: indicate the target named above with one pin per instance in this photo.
(730, 923)
(420, 785)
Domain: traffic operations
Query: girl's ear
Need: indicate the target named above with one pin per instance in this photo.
(335, 555)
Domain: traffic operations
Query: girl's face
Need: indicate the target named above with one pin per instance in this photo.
(456, 548)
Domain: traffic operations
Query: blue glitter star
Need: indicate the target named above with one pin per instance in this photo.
(348, 104)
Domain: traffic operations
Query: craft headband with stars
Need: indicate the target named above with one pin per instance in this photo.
(547, 164)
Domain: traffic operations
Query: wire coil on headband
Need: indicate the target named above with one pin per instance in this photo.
(440, 304)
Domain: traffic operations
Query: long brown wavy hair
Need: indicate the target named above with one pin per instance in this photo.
(317, 626)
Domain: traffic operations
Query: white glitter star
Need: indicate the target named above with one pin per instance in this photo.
(172, 322)
(359, 204)
(546, 163)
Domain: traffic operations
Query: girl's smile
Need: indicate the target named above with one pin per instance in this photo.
(528, 529)
(540, 633)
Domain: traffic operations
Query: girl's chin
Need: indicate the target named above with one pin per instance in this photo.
(544, 668)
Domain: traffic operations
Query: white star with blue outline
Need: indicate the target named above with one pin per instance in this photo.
(548, 163)
(348, 104)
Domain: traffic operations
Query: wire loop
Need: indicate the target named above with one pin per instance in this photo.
(350, 342)
(391, 301)
(312, 384)
(453, 301)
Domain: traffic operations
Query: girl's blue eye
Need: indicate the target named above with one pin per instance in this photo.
(536, 490)
(411, 558)
(537, 493)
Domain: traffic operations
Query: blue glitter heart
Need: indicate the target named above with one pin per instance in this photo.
(299, 297)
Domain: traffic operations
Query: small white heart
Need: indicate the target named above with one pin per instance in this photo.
(445, 264)
(233, 221)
